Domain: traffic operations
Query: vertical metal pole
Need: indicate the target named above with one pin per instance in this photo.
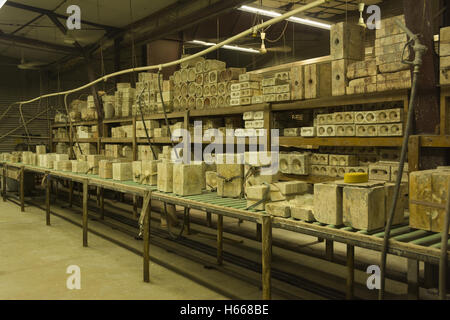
(350, 271)
(258, 232)
(329, 248)
(102, 203)
(146, 226)
(5, 174)
(135, 206)
(47, 199)
(219, 240)
(208, 219)
(70, 193)
(22, 195)
(188, 221)
(266, 257)
(413, 279)
(85, 213)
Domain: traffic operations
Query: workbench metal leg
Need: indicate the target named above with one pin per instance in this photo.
(266, 257)
(350, 272)
(258, 232)
(135, 206)
(85, 213)
(413, 279)
(22, 193)
(219, 240)
(208, 219)
(47, 201)
(5, 174)
(146, 226)
(329, 249)
(102, 203)
(188, 221)
(70, 193)
(98, 197)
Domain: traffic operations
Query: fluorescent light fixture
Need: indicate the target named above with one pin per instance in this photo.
(229, 47)
(274, 14)
(2, 2)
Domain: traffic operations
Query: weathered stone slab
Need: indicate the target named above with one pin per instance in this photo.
(328, 203)
(279, 209)
(122, 171)
(149, 172)
(187, 179)
(364, 208)
(165, 176)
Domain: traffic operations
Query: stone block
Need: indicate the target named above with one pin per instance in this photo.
(366, 130)
(280, 191)
(326, 131)
(291, 132)
(364, 208)
(328, 203)
(299, 164)
(347, 41)
(302, 207)
(149, 172)
(399, 214)
(344, 118)
(379, 172)
(279, 209)
(187, 179)
(308, 132)
(137, 171)
(165, 176)
(390, 130)
(211, 180)
(320, 158)
(63, 165)
(345, 130)
(230, 180)
(389, 115)
(122, 171)
(41, 150)
(105, 169)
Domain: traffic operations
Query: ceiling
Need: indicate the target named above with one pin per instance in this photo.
(34, 25)
(21, 28)
(326, 11)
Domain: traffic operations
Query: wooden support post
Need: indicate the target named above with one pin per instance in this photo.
(102, 203)
(413, 279)
(85, 213)
(145, 215)
(5, 174)
(219, 240)
(431, 275)
(70, 193)
(350, 272)
(22, 193)
(258, 232)
(329, 248)
(47, 198)
(208, 219)
(266, 257)
(414, 153)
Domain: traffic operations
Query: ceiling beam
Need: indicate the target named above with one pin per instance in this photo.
(50, 12)
(38, 44)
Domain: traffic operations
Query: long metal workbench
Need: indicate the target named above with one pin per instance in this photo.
(415, 245)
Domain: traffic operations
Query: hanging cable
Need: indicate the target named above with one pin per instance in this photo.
(187, 58)
(155, 156)
(71, 131)
(24, 124)
(281, 35)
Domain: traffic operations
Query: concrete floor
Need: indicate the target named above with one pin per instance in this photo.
(34, 259)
